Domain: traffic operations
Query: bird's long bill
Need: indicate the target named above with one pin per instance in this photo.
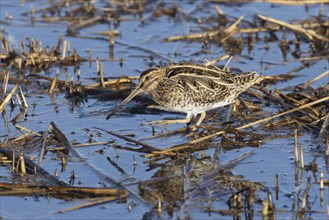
(132, 95)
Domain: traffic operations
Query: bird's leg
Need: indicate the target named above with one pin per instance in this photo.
(229, 112)
(202, 116)
(172, 121)
(194, 127)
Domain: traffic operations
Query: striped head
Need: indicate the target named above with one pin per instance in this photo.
(150, 78)
(148, 81)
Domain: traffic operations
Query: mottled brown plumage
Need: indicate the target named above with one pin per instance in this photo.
(192, 89)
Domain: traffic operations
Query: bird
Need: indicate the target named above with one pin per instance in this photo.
(191, 88)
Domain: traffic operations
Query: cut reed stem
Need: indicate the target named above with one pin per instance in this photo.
(321, 181)
(296, 144)
(8, 97)
(301, 156)
(22, 165)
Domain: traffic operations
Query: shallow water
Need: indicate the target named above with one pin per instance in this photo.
(76, 121)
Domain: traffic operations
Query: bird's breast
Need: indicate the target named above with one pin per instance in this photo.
(179, 98)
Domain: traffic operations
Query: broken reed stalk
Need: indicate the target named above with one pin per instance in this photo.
(315, 79)
(309, 34)
(111, 39)
(321, 198)
(227, 33)
(265, 209)
(324, 126)
(5, 84)
(63, 140)
(63, 163)
(88, 204)
(92, 144)
(43, 146)
(321, 181)
(22, 165)
(18, 99)
(231, 30)
(133, 46)
(72, 28)
(68, 48)
(315, 112)
(159, 205)
(23, 97)
(30, 166)
(301, 156)
(140, 10)
(60, 190)
(212, 62)
(276, 186)
(116, 166)
(308, 186)
(8, 97)
(296, 144)
(327, 148)
(40, 47)
(19, 127)
(13, 160)
(271, 204)
(227, 63)
(100, 72)
(23, 136)
(5, 44)
(64, 50)
(114, 82)
(164, 134)
(261, 120)
(32, 13)
(147, 147)
(53, 84)
(321, 190)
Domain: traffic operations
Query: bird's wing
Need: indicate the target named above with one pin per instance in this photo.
(195, 82)
(192, 69)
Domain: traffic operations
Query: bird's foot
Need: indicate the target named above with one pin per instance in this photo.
(191, 128)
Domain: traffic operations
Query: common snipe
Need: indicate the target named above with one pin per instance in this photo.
(191, 89)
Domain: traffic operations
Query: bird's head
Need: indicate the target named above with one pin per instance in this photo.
(148, 81)
(150, 78)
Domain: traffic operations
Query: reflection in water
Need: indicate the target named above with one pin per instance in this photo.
(184, 183)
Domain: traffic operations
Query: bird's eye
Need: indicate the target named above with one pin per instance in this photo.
(147, 77)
